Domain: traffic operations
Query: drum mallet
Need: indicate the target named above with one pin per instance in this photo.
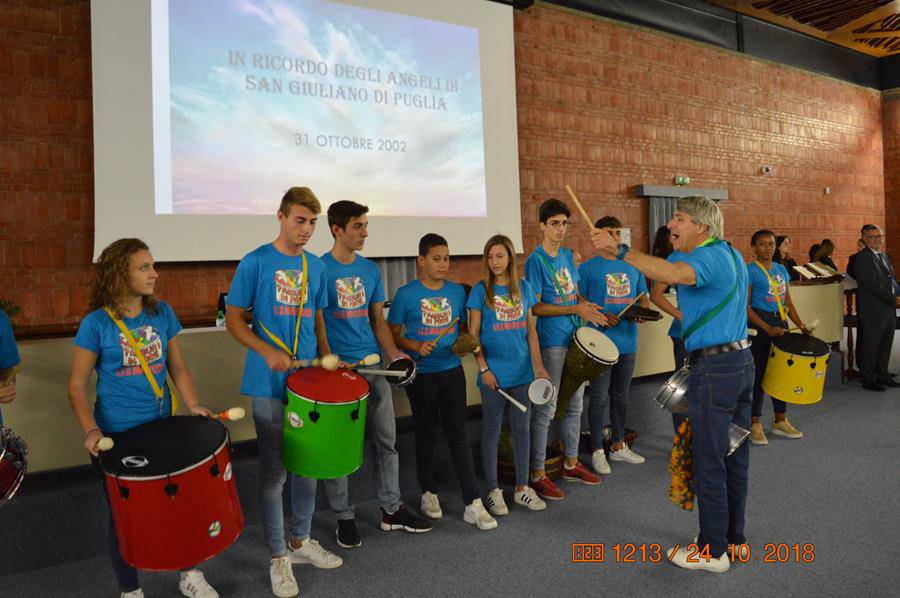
(519, 405)
(633, 301)
(381, 372)
(811, 326)
(584, 214)
(233, 414)
(371, 359)
(328, 362)
(446, 330)
(105, 443)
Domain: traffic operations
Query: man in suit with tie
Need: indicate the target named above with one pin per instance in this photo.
(877, 298)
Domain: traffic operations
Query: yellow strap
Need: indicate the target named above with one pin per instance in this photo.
(304, 285)
(775, 291)
(137, 351)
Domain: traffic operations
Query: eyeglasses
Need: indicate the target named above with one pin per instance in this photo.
(874, 236)
(563, 224)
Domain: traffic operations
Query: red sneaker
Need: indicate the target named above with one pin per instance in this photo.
(579, 473)
(547, 489)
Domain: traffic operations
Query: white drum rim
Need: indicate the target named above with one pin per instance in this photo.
(365, 397)
(590, 354)
(547, 382)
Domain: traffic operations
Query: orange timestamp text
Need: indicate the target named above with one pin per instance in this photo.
(654, 553)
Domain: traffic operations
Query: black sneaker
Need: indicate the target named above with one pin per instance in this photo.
(346, 533)
(404, 520)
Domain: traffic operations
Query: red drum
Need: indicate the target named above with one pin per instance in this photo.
(13, 463)
(172, 494)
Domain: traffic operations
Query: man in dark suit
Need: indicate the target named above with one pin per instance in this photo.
(876, 302)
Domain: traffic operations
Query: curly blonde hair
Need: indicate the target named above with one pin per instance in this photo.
(111, 279)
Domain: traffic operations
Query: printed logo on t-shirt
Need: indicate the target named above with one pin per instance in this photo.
(564, 278)
(289, 287)
(779, 281)
(436, 311)
(148, 341)
(507, 308)
(618, 284)
(351, 292)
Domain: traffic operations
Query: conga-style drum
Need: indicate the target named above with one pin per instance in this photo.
(172, 494)
(795, 371)
(590, 354)
(324, 423)
(13, 463)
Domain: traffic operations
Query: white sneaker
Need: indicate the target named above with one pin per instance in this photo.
(312, 553)
(496, 504)
(431, 508)
(715, 565)
(599, 463)
(529, 498)
(138, 593)
(625, 454)
(477, 515)
(194, 585)
(284, 585)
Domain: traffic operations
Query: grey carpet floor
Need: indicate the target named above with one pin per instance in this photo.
(838, 489)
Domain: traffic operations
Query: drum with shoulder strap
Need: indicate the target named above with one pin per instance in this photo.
(590, 354)
(795, 371)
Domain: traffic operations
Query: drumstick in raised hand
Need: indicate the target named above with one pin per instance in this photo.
(329, 362)
(584, 214)
(233, 414)
(633, 301)
(371, 359)
(446, 330)
(519, 405)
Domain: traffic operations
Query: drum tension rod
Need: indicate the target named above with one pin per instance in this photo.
(314, 414)
(354, 415)
(170, 488)
(123, 492)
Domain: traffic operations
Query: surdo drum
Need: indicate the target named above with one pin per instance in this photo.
(172, 493)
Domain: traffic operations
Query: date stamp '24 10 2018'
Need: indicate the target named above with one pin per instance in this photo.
(654, 553)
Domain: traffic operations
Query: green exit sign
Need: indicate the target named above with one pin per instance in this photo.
(682, 180)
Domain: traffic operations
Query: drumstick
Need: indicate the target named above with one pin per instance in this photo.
(233, 414)
(584, 214)
(446, 330)
(11, 374)
(633, 301)
(521, 407)
(381, 372)
(371, 359)
(329, 362)
(105, 443)
(751, 332)
(811, 326)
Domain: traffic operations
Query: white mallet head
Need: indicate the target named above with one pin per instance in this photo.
(105, 443)
(330, 362)
(371, 359)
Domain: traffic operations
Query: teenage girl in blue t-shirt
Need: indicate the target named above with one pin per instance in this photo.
(124, 283)
(500, 316)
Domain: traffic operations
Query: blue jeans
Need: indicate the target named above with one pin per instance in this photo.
(720, 390)
(493, 406)
(382, 428)
(268, 414)
(613, 387)
(680, 354)
(554, 359)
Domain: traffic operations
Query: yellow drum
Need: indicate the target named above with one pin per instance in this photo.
(795, 372)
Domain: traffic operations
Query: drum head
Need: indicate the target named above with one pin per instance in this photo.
(596, 345)
(403, 365)
(323, 386)
(540, 391)
(164, 446)
(800, 344)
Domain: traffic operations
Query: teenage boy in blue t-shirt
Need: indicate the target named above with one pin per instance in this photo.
(551, 272)
(421, 311)
(613, 284)
(354, 321)
(9, 358)
(270, 280)
(712, 298)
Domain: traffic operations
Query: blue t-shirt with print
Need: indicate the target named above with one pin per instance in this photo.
(716, 266)
(613, 284)
(9, 352)
(503, 332)
(426, 313)
(554, 331)
(125, 397)
(351, 289)
(762, 295)
(271, 283)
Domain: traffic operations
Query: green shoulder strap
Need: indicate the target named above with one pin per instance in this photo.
(559, 291)
(717, 309)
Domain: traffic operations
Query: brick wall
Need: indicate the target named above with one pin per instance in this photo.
(601, 106)
(890, 117)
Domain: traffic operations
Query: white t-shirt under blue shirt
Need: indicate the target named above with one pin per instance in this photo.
(351, 289)
(270, 282)
(503, 332)
(125, 397)
(555, 280)
(426, 313)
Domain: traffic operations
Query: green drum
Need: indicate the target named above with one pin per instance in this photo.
(324, 423)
